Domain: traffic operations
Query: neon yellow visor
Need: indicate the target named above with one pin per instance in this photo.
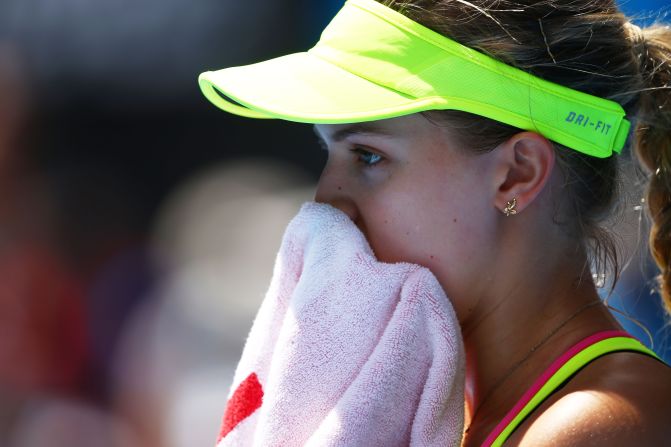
(373, 63)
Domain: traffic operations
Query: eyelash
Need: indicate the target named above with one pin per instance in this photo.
(360, 153)
(363, 154)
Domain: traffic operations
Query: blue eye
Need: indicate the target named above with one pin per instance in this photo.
(366, 157)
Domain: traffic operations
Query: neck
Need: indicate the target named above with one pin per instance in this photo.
(529, 324)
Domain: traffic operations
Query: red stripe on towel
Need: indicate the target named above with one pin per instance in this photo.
(246, 399)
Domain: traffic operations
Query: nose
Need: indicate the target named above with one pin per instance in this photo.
(332, 189)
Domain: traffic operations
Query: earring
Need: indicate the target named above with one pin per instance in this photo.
(510, 210)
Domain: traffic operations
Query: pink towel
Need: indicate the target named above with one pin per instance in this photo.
(346, 350)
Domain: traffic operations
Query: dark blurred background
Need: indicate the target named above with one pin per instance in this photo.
(138, 223)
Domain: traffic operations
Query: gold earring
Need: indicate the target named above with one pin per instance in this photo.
(510, 210)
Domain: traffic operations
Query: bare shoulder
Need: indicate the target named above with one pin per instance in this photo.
(622, 399)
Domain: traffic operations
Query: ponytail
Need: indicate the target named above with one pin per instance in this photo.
(652, 140)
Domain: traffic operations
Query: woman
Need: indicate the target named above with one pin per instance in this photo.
(497, 179)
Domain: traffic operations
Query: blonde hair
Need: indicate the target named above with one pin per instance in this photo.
(590, 46)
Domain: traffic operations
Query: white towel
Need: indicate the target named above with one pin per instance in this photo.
(346, 350)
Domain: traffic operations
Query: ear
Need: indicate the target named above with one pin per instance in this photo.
(526, 163)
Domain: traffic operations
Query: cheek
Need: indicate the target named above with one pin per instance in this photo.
(443, 229)
(417, 228)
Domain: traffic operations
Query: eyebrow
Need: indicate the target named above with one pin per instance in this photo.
(368, 128)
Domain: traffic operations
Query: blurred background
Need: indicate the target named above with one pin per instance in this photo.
(127, 205)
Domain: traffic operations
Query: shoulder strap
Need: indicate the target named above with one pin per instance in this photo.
(559, 371)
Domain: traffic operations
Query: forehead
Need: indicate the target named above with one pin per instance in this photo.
(405, 126)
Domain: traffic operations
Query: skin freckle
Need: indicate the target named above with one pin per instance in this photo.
(455, 221)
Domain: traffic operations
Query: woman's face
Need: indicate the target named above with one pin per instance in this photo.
(416, 196)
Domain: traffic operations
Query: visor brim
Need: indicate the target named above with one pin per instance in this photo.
(303, 88)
